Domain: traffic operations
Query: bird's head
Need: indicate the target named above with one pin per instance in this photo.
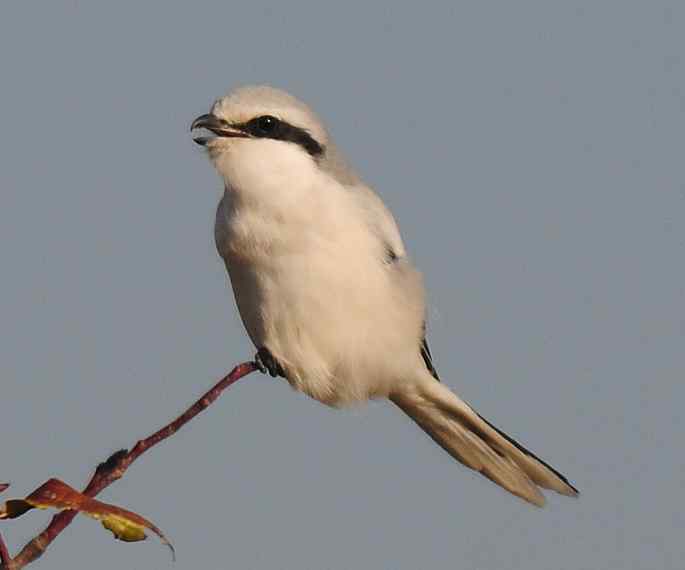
(260, 130)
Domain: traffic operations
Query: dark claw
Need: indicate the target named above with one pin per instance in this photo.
(267, 363)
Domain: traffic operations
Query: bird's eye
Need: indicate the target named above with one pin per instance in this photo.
(266, 124)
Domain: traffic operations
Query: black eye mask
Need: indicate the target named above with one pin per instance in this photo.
(269, 127)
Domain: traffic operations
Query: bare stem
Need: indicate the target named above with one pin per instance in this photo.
(114, 468)
(5, 558)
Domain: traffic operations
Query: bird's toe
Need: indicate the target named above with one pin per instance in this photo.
(266, 362)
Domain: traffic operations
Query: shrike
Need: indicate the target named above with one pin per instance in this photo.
(324, 285)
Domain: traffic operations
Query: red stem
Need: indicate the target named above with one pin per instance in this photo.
(5, 558)
(114, 468)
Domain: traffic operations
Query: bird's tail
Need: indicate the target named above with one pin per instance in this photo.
(476, 443)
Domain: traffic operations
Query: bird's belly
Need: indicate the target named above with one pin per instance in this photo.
(312, 285)
(332, 323)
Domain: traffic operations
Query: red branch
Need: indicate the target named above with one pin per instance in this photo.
(114, 468)
(5, 558)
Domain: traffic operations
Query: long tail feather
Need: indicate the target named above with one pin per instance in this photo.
(476, 443)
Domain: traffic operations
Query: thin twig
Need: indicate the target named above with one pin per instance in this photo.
(114, 468)
(5, 558)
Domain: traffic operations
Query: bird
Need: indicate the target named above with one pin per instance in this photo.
(324, 285)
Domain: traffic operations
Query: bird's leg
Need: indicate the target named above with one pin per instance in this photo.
(267, 363)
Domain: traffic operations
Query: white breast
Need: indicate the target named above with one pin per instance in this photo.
(311, 284)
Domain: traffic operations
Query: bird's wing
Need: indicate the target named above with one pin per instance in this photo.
(427, 357)
(380, 220)
(384, 226)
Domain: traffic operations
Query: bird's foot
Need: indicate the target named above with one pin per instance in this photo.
(266, 362)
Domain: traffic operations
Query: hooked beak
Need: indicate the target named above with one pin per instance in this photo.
(216, 125)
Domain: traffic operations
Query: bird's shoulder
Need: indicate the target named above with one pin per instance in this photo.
(379, 219)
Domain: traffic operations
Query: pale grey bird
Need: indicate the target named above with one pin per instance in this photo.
(324, 285)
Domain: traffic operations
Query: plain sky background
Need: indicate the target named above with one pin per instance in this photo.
(533, 153)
